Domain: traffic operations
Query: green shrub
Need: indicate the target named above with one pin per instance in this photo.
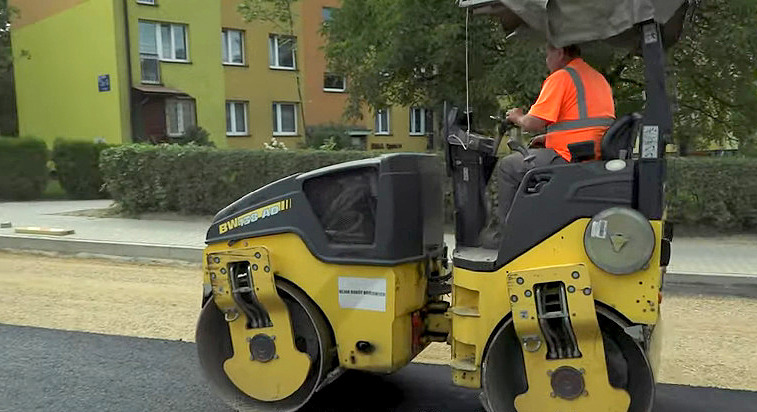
(78, 170)
(193, 135)
(328, 137)
(720, 193)
(23, 168)
(200, 180)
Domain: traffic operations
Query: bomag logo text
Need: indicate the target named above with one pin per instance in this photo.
(252, 217)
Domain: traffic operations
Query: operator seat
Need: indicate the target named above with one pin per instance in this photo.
(619, 140)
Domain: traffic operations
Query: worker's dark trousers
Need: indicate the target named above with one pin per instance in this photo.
(510, 172)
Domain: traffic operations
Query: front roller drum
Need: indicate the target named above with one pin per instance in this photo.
(504, 376)
(254, 379)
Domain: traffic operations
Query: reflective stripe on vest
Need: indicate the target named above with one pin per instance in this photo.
(584, 120)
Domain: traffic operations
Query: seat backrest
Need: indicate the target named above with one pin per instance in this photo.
(619, 140)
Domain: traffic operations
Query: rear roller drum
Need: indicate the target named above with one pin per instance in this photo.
(504, 377)
(312, 336)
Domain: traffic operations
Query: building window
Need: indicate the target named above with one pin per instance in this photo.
(180, 115)
(421, 121)
(150, 64)
(148, 2)
(284, 119)
(232, 46)
(165, 40)
(236, 119)
(382, 122)
(281, 52)
(327, 14)
(333, 82)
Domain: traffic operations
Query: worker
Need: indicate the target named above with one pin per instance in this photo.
(575, 105)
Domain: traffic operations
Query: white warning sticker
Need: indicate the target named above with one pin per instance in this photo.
(599, 229)
(362, 293)
(650, 33)
(650, 137)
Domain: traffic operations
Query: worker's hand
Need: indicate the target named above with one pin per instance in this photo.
(514, 115)
(538, 142)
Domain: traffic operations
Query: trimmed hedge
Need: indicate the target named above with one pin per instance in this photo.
(23, 168)
(716, 192)
(77, 164)
(720, 193)
(201, 180)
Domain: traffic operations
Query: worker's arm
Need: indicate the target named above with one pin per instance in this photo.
(525, 121)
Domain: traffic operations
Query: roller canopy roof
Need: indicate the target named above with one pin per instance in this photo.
(567, 22)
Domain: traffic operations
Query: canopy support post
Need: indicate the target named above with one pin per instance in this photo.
(657, 110)
(657, 125)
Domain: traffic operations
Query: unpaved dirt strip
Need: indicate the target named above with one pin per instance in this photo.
(709, 341)
(101, 296)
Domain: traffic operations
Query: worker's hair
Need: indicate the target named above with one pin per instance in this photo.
(572, 51)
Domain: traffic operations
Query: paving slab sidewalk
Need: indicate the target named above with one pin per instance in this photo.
(182, 238)
(156, 237)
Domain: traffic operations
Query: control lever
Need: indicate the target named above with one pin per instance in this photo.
(504, 127)
(517, 146)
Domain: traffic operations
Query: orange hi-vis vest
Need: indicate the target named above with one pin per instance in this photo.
(577, 104)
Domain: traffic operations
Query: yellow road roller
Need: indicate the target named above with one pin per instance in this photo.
(346, 267)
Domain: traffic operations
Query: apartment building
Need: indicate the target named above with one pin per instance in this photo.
(146, 70)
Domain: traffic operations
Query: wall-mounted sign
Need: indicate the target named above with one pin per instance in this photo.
(103, 83)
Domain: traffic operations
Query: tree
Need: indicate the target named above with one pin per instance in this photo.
(412, 52)
(408, 52)
(280, 14)
(8, 122)
(715, 74)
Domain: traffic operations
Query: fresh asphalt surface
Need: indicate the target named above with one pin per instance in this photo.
(53, 370)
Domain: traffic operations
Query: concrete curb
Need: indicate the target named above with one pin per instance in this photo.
(121, 249)
(707, 283)
(694, 282)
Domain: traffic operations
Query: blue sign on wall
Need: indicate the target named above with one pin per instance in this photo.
(103, 83)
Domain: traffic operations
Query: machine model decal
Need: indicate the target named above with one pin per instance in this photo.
(362, 293)
(255, 215)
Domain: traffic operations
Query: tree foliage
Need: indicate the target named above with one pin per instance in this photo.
(8, 121)
(411, 52)
(6, 15)
(715, 69)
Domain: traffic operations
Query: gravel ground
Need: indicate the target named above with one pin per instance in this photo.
(102, 296)
(708, 340)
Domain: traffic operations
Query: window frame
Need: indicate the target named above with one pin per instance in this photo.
(182, 128)
(149, 56)
(273, 52)
(376, 122)
(147, 2)
(230, 108)
(276, 107)
(159, 40)
(424, 127)
(228, 47)
(332, 90)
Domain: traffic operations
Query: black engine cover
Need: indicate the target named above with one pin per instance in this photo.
(380, 211)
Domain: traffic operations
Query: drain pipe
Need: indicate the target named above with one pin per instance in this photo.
(128, 70)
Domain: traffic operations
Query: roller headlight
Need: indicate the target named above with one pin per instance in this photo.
(619, 240)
